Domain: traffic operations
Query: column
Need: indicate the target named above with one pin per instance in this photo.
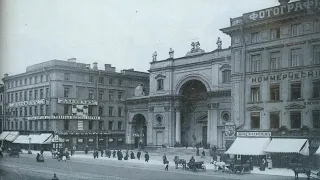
(212, 124)
(178, 126)
(150, 120)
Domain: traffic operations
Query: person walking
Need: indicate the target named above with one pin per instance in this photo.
(138, 155)
(132, 155)
(203, 154)
(101, 150)
(146, 156)
(166, 162)
(114, 154)
(86, 149)
(1, 155)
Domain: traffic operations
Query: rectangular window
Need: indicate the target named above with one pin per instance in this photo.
(30, 95)
(100, 125)
(41, 125)
(30, 125)
(119, 111)
(160, 84)
(66, 124)
(101, 95)
(36, 125)
(20, 96)
(101, 111)
(275, 60)
(25, 125)
(295, 91)
(35, 94)
(30, 80)
(316, 119)
(41, 110)
(16, 97)
(101, 80)
(110, 111)
(16, 84)
(30, 111)
(255, 63)
(12, 100)
(25, 111)
(255, 120)
(41, 93)
(295, 29)
(255, 94)
(110, 80)
(274, 92)
(47, 92)
(295, 118)
(91, 79)
(47, 110)
(16, 125)
(119, 125)
(90, 125)
(20, 82)
(47, 77)
(66, 76)
(20, 111)
(119, 82)
(119, 95)
(90, 110)
(25, 81)
(275, 34)
(316, 54)
(36, 110)
(111, 95)
(41, 78)
(66, 109)
(25, 95)
(316, 89)
(255, 37)
(90, 96)
(66, 92)
(110, 125)
(274, 120)
(226, 76)
(296, 58)
(36, 79)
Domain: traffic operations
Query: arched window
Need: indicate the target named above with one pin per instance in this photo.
(226, 76)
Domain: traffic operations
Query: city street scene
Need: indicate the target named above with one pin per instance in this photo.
(149, 89)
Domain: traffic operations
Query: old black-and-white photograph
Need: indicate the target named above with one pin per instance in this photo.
(159, 89)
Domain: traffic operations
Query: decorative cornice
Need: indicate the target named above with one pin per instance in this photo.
(255, 50)
(254, 108)
(160, 76)
(295, 106)
(275, 46)
(214, 105)
(225, 66)
(151, 109)
(313, 40)
(167, 108)
(296, 43)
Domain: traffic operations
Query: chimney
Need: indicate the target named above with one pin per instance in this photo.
(107, 66)
(284, 2)
(72, 60)
(6, 75)
(88, 66)
(95, 66)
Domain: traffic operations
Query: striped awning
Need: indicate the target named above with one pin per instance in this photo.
(3, 135)
(12, 136)
(288, 145)
(22, 139)
(248, 146)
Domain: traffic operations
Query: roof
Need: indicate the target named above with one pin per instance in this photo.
(248, 146)
(286, 145)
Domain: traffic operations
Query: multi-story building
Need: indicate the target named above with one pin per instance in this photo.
(276, 71)
(80, 104)
(188, 103)
(1, 107)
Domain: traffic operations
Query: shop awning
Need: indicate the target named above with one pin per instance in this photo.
(248, 146)
(12, 136)
(318, 151)
(4, 134)
(284, 145)
(22, 139)
(43, 138)
(34, 138)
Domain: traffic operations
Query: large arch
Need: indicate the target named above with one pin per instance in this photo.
(139, 127)
(189, 77)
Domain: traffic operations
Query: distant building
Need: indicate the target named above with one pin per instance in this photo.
(81, 104)
(276, 71)
(189, 101)
(1, 106)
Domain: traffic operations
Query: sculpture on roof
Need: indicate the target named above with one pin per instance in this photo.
(195, 49)
(139, 91)
(154, 56)
(171, 53)
(219, 43)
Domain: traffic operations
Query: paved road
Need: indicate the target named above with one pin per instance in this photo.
(26, 168)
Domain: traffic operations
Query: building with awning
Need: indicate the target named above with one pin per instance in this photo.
(248, 146)
(318, 151)
(22, 139)
(3, 135)
(288, 145)
(9, 136)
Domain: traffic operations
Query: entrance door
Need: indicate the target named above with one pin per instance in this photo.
(204, 134)
(159, 138)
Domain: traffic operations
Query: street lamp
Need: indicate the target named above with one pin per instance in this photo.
(29, 152)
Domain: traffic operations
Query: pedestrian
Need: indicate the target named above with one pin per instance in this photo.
(109, 153)
(164, 159)
(262, 165)
(74, 148)
(269, 161)
(94, 154)
(86, 149)
(101, 150)
(127, 156)
(146, 156)
(203, 154)
(251, 163)
(138, 155)
(114, 154)
(167, 167)
(132, 155)
(1, 155)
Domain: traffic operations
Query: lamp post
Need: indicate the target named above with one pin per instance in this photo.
(29, 151)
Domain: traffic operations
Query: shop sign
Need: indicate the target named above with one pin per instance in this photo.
(254, 134)
(289, 75)
(80, 102)
(64, 117)
(303, 5)
(56, 137)
(27, 103)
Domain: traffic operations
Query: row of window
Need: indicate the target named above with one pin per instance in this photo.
(275, 95)
(295, 119)
(101, 80)
(28, 81)
(27, 95)
(296, 30)
(100, 125)
(91, 94)
(29, 111)
(101, 111)
(275, 59)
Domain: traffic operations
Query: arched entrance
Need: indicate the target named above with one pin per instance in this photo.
(193, 124)
(139, 125)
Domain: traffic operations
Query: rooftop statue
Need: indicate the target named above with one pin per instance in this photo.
(139, 91)
(154, 56)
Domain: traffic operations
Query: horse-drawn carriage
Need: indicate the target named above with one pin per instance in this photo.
(195, 166)
(13, 152)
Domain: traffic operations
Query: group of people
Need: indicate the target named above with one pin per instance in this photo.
(62, 154)
(118, 154)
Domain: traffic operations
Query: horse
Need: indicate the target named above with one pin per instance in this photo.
(219, 165)
(178, 161)
(299, 169)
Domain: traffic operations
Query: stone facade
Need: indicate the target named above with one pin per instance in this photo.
(166, 118)
(1, 106)
(73, 100)
(275, 64)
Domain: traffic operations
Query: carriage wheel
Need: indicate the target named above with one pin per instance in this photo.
(204, 168)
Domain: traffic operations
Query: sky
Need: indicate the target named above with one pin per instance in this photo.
(124, 33)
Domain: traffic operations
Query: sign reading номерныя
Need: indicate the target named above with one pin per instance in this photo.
(303, 5)
(254, 134)
(283, 76)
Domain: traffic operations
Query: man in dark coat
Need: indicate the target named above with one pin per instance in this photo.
(146, 156)
(101, 150)
(127, 156)
(138, 155)
(114, 154)
(251, 163)
(86, 149)
(132, 155)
